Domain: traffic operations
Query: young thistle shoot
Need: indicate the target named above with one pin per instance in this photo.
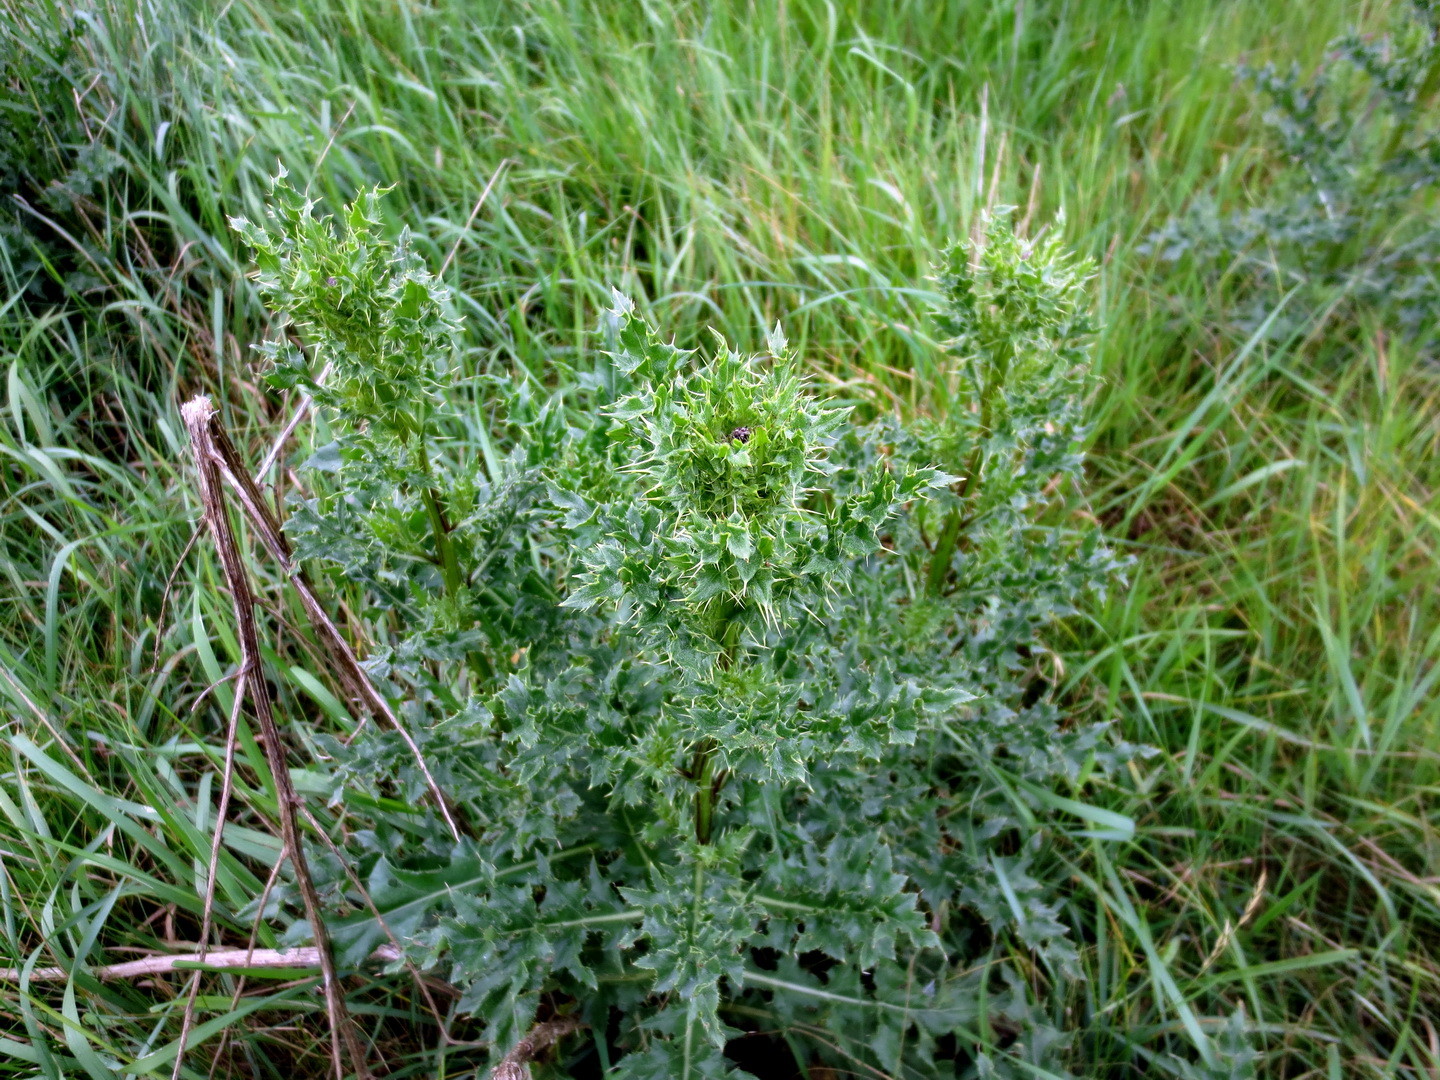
(1017, 322)
(378, 328)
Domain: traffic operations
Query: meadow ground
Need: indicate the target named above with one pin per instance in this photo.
(730, 165)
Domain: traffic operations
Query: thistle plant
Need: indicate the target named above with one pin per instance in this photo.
(53, 160)
(761, 738)
(1347, 220)
(1017, 324)
(371, 338)
(381, 331)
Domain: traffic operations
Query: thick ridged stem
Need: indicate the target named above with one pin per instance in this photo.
(439, 527)
(707, 784)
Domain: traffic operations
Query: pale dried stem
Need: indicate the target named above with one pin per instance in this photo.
(516, 1064)
(356, 682)
(278, 446)
(450, 257)
(250, 959)
(19, 691)
(210, 461)
(250, 950)
(226, 787)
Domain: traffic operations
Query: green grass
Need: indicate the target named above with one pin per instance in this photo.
(731, 164)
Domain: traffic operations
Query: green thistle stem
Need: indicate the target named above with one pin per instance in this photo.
(444, 547)
(707, 784)
(939, 568)
(940, 558)
(439, 526)
(705, 792)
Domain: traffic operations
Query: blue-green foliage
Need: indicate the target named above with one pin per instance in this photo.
(1359, 159)
(742, 704)
(52, 168)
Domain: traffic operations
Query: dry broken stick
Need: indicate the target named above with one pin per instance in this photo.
(227, 786)
(303, 956)
(516, 1064)
(209, 462)
(358, 686)
(513, 1066)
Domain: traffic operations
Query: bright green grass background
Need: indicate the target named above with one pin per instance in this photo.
(730, 164)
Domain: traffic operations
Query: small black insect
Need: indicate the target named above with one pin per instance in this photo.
(740, 435)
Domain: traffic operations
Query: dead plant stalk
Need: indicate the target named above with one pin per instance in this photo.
(210, 460)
